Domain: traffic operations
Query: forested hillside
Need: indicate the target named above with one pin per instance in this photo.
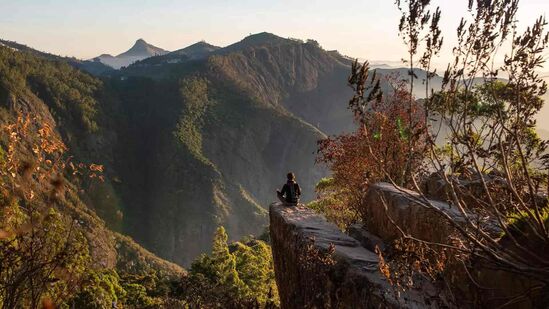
(198, 150)
(188, 146)
(204, 143)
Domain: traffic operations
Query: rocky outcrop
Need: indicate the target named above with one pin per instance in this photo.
(389, 206)
(317, 266)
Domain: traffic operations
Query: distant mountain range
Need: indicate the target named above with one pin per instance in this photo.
(139, 51)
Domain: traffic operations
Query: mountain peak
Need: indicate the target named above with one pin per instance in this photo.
(263, 38)
(258, 39)
(263, 35)
(201, 43)
(141, 43)
(142, 49)
(197, 50)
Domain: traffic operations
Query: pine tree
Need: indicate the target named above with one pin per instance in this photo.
(224, 263)
(255, 269)
(236, 275)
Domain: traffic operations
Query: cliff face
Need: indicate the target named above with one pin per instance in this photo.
(318, 266)
(300, 77)
(414, 219)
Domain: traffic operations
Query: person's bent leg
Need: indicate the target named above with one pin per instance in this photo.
(281, 197)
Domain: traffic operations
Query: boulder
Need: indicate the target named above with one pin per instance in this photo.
(388, 206)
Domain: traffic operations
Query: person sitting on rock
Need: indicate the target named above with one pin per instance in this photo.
(290, 193)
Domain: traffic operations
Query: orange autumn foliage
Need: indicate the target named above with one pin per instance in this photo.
(383, 148)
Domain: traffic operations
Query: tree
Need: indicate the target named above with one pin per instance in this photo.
(334, 202)
(493, 166)
(42, 252)
(239, 275)
(386, 145)
(100, 290)
(254, 264)
(224, 262)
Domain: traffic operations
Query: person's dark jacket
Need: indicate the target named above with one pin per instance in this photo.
(287, 191)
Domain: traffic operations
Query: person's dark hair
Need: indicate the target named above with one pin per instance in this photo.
(290, 176)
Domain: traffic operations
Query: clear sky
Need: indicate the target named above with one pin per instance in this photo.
(365, 29)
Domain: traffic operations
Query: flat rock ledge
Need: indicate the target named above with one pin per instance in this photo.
(318, 266)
